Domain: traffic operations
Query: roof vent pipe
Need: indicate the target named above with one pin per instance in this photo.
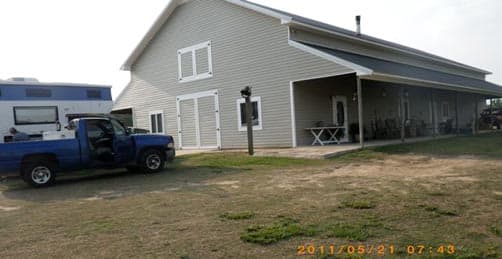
(358, 23)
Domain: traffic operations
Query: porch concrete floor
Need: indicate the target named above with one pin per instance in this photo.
(315, 152)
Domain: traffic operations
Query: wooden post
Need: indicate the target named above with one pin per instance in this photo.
(402, 115)
(433, 114)
(456, 114)
(249, 120)
(360, 111)
(246, 94)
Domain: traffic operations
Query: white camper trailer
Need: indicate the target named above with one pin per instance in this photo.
(34, 108)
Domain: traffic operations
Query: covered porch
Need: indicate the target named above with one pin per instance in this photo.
(383, 101)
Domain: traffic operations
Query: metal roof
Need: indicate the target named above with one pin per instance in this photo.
(385, 67)
(363, 37)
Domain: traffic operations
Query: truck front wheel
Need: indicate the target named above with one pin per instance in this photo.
(152, 161)
(38, 173)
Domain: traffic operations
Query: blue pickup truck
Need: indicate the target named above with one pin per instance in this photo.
(99, 143)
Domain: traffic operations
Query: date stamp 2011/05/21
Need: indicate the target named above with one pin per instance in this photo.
(378, 250)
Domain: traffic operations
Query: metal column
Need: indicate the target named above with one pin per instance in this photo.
(360, 111)
(402, 114)
(456, 114)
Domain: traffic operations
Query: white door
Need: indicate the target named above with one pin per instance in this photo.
(340, 115)
(199, 120)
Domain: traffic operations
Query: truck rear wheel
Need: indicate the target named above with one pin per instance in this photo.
(38, 173)
(152, 161)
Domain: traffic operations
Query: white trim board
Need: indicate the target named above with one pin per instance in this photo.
(293, 113)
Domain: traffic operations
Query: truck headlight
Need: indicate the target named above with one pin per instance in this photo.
(170, 145)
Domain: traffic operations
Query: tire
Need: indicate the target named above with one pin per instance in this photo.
(152, 161)
(39, 173)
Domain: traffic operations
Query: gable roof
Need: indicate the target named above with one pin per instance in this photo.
(289, 18)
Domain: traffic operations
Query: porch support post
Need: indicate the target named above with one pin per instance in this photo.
(433, 114)
(476, 112)
(402, 115)
(456, 114)
(491, 105)
(360, 111)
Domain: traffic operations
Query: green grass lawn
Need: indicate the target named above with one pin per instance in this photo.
(443, 194)
(484, 145)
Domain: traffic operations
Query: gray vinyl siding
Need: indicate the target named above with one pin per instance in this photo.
(247, 49)
(329, 41)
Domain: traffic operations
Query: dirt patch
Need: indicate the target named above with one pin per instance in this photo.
(407, 168)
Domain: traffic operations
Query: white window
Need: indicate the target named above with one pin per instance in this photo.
(157, 122)
(27, 115)
(241, 114)
(195, 62)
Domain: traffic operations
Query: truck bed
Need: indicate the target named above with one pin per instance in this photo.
(11, 154)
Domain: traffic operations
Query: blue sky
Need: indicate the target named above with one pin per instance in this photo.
(87, 41)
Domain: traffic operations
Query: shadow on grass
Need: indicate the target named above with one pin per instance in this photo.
(185, 172)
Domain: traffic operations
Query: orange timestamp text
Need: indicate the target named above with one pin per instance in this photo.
(372, 250)
(348, 249)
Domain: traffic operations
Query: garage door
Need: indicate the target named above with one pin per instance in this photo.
(199, 120)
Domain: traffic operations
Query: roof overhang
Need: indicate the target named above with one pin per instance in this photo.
(381, 70)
